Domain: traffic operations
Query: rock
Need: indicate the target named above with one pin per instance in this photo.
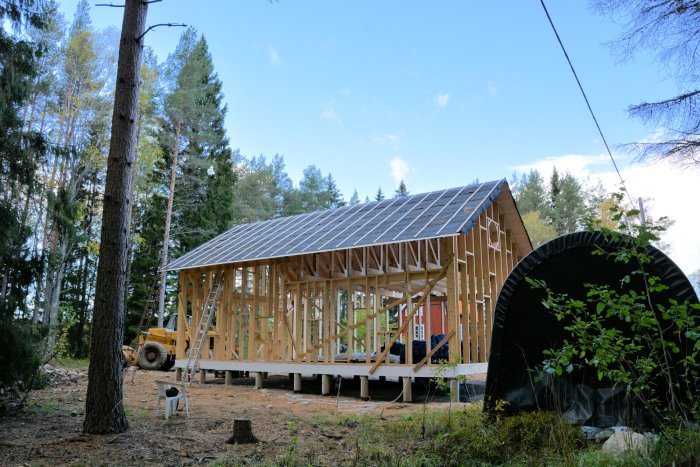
(603, 436)
(11, 408)
(623, 441)
(590, 432)
(74, 414)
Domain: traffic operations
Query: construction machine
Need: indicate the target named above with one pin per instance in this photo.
(157, 346)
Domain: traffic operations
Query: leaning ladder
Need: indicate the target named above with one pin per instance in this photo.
(201, 335)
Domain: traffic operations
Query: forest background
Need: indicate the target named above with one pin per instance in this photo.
(189, 183)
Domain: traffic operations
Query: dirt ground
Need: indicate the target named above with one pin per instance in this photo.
(48, 430)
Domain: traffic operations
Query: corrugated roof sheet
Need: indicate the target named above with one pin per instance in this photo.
(416, 217)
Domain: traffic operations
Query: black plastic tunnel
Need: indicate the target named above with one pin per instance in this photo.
(523, 329)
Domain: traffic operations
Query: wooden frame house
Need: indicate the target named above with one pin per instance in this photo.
(343, 291)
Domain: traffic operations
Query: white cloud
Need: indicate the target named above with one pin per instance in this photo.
(329, 113)
(579, 165)
(274, 57)
(389, 139)
(442, 99)
(492, 88)
(399, 169)
(670, 189)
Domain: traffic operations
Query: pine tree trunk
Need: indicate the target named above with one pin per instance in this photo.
(166, 234)
(104, 408)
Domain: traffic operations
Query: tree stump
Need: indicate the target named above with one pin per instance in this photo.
(242, 432)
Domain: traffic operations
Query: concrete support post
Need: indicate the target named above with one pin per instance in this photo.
(202, 376)
(364, 387)
(297, 383)
(258, 380)
(407, 389)
(228, 380)
(325, 385)
(178, 374)
(454, 390)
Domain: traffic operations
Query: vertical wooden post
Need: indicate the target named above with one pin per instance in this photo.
(298, 321)
(473, 306)
(244, 323)
(464, 298)
(411, 328)
(367, 349)
(452, 299)
(232, 317)
(480, 273)
(181, 316)
(253, 320)
(351, 320)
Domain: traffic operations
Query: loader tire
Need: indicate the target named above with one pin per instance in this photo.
(152, 356)
(168, 364)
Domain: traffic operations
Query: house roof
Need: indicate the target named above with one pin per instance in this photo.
(417, 217)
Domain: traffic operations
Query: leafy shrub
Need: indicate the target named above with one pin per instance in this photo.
(634, 336)
(20, 353)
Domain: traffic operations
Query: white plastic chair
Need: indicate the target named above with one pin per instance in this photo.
(171, 402)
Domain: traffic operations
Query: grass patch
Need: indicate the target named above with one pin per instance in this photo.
(72, 363)
(465, 438)
(50, 407)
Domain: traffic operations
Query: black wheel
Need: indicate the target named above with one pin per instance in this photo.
(153, 356)
(168, 364)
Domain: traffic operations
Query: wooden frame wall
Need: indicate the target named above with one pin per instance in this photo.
(301, 309)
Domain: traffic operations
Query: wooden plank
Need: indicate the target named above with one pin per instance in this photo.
(181, 315)
(473, 307)
(394, 338)
(452, 300)
(426, 359)
(365, 345)
(253, 321)
(244, 323)
(298, 321)
(464, 300)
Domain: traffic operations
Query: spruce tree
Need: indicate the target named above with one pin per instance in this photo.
(532, 194)
(200, 158)
(379, 196)
(354, 199)
(401, 191)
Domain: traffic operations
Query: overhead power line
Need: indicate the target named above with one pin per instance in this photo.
(585, 98)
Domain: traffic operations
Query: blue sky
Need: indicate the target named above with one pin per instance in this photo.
(438, 93)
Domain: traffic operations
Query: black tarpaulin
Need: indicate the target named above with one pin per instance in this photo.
(523, 328)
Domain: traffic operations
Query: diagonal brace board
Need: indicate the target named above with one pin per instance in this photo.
(416, 307)
(426, 359)
(392, 304)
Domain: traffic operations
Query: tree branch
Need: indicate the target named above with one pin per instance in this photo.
(110, 5)
(171, 25)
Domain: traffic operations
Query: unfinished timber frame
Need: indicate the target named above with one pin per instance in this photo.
(340, 311)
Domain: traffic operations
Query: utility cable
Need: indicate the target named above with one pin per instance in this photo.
(585, 98)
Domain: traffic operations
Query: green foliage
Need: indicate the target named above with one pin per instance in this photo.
(657, 362)
(532, 195)
(20, 353)
(401, 191)
(538, 229)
